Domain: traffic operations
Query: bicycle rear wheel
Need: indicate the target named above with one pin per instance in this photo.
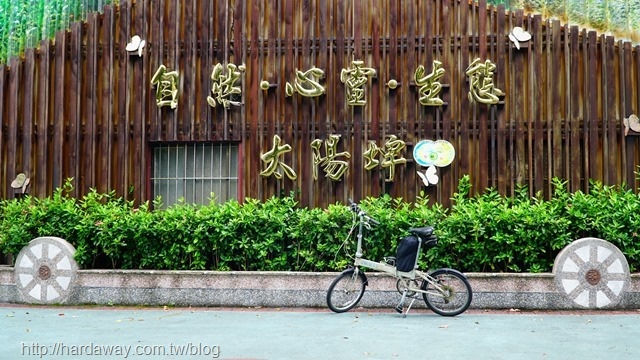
(452, 295)
(346, 291)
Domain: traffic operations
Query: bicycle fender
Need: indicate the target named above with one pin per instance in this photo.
(360, 273)
(449, 270)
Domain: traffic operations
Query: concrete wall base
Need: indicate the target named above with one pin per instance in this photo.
(293, 289)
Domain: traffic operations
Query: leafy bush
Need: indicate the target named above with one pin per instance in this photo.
(24, 23)
(27, 218)
(482, 233)
(490, 233)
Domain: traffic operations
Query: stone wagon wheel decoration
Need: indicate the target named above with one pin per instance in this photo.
(592, 272)
(45, 270)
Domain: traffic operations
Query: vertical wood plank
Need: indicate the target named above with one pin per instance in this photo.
(121, 116)
(463, 87)
(105, 101)
(483, 140)
(275, 94)
(288, 73)
(42, 131)
(235, 118)
(309, 13)
(157, 43)
(204, 28)
(519, 112)
(449, 10)
(91, 103)
(13, 157)
(626, 80)
(492, 112)
(538, 105)
(323, 23)
(59, 109)
(356, 149)
(556, 68)
(611, 155)
(425, 27)
(378, 92)
(411, 116)
(529, 90)
(502, 44)
(141, 108)
(340, 116)
(3, 120)
(169, 117)
(635, 103)
(575, 110)
(186, 28)
(395, 54)
(223, 43)
(28, 99)
(592, 114)
(74, 102)
(253, 107)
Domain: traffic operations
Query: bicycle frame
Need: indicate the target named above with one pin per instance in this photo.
(445, 291)
(391, 270)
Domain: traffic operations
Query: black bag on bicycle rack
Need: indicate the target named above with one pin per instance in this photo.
(406, 253)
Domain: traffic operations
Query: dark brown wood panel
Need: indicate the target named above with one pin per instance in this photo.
(80, 106)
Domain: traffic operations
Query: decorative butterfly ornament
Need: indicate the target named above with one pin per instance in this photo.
(136, 45)
(430, 176)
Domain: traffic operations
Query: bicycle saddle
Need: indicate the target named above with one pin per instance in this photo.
(423, 232)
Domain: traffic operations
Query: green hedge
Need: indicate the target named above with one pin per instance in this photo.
(483, 233)
(24, 23)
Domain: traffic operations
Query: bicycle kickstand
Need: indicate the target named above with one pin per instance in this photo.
(409, 308)
(400, 306)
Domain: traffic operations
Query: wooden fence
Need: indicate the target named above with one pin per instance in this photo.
(81, 106)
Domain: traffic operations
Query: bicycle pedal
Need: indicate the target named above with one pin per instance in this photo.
(399, 309)
(390, 260)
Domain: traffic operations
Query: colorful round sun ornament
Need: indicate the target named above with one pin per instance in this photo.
(439, 153)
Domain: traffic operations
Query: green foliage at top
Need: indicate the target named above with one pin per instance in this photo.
(24, 23)
(621, 17)
(486, 232)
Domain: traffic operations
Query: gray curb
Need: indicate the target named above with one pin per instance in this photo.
(294, 289)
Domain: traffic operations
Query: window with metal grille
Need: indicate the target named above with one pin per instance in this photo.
(194, 171)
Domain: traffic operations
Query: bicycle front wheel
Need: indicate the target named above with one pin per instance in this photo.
(449, 295)
(346, 291)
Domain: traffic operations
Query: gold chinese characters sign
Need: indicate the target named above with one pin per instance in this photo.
(482, 89)
(306, 83)
(332, 162)
(391, 156)
(331, 165)
(355, 79)
(429, 85)
(166, 83)
(272, 160)
(224, 87)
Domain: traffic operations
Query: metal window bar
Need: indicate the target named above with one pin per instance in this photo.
(194, 171)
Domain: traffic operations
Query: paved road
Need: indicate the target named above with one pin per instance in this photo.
(89, 333)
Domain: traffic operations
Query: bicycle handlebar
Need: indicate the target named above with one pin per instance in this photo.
(356, 209)
(374, 221)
